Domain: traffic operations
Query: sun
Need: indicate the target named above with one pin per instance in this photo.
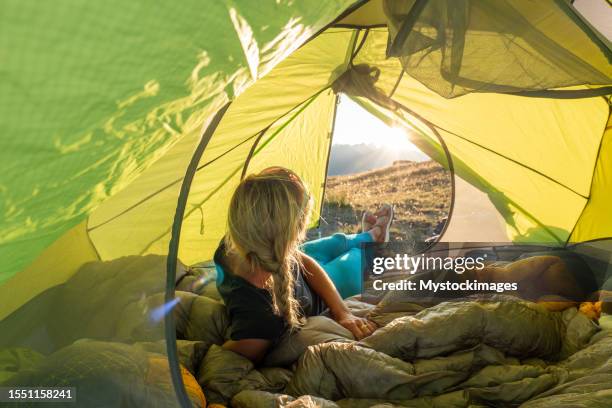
(355, 125)
(395, 138)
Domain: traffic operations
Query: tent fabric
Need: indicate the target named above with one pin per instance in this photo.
(55, 265)
(277, 105)
(459, 46)
(103, 106)
(514, 133)
(136, 220)
(593, 223)
(94, 94)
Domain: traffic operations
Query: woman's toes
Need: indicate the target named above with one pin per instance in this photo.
(384, 210)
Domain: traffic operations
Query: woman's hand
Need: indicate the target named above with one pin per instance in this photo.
(319, 281)
(358, 326)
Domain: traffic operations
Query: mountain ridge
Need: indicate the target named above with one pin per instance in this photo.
(348, 159)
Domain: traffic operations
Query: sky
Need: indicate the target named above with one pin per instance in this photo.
(354, 125)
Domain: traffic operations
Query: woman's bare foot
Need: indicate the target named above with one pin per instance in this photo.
(378, 233)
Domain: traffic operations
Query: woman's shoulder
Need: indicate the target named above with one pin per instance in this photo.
(245, 301)
(236, 291)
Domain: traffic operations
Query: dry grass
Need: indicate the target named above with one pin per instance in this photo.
(420, 192)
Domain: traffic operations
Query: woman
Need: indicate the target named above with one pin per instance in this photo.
(267, 281)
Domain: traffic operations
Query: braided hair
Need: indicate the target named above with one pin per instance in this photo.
(268, 217)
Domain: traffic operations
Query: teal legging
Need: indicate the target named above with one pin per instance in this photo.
(340, 256)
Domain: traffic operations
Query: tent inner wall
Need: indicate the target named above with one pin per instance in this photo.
(288, 116)
(135, 224)
(299, 142)
(470, 206)
(596, 219)
(547, 148)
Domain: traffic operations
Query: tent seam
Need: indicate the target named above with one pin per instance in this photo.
(90, 239)
(359, 26)
(512, 160)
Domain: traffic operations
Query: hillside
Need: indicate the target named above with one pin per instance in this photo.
(357, 158)
(420, 192)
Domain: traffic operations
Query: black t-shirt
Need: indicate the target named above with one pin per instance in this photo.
(250, 308)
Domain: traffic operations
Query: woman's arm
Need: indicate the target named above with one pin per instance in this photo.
(319, 281)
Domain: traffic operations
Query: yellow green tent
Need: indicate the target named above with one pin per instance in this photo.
(126, 125)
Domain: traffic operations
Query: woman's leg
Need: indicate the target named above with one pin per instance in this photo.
(345, 272)
(327, 249)
(340, 256)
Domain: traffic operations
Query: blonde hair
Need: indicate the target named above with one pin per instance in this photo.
(267, 220)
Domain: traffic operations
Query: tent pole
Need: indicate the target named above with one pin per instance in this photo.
(345, 13)
(451, 168)
(329, 147)
(252, 151)
(170, 328)
(394, 48)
